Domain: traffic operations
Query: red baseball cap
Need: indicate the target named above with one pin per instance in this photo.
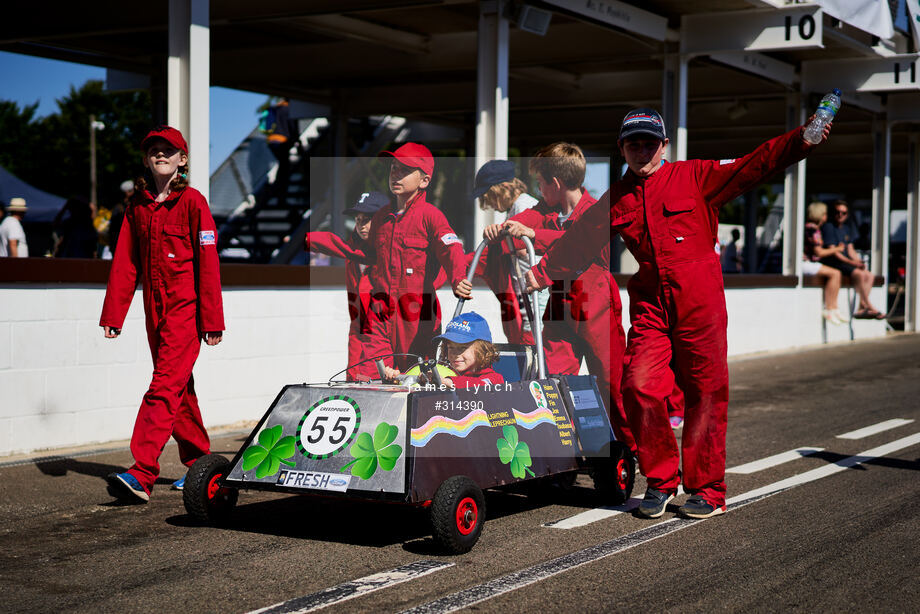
(414, 155)
(168, 134)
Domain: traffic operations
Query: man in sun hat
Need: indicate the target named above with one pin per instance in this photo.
(12, 236)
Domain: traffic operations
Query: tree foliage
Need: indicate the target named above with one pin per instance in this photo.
(52, 152)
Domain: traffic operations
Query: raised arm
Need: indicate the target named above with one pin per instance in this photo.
(723, 180)
(331, 244)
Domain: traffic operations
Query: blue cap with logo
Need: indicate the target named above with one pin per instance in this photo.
(467, 327)
(368, 202)
(642, 121)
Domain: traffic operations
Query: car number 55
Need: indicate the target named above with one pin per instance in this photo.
(328, 427)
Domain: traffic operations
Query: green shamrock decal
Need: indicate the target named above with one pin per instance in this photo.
(510, 450)
(269, 453)
(369, 451)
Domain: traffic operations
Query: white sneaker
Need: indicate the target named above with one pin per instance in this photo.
(840, 315)
(832, 316)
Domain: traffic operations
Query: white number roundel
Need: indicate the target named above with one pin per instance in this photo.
(328, 427)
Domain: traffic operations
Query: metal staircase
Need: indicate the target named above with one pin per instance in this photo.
(255, 226)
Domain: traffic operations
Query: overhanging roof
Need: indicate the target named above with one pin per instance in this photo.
(417, 58)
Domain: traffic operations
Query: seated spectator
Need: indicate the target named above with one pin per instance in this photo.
(839, 233)
(814, 251)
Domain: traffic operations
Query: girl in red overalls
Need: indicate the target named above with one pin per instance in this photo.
(169, 241)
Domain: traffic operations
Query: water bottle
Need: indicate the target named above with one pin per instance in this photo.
(828, 108)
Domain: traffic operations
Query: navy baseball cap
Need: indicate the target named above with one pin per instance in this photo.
(466, 328)
(642, 121)
(369, 203)
(492, 173)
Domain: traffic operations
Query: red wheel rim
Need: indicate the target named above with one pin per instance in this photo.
(622, 474)
(467, 516)
(213, 486)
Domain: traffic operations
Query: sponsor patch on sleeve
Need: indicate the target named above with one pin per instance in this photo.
(206, 237)
(726, 161)
(449, 239)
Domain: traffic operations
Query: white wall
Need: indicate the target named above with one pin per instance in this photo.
(62, 383)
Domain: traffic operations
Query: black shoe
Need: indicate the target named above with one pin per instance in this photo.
(654, 503)
(698, 507)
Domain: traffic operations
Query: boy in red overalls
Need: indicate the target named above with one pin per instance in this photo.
(667, 214)
(409, 243)
(357, 275)
(169, 241)
(584, 316)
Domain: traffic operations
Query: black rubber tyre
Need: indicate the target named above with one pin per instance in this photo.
(615, 474)
(458, 510)
(205, 498)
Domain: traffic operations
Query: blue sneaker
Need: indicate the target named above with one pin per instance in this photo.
(178, 484)
(654, 503)
(698, 507)
(121, 484)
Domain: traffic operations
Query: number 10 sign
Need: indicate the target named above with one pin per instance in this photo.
(328, 427)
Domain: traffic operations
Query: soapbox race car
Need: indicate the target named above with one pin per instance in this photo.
(425, 445)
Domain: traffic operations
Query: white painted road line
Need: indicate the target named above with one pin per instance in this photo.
(600, 513)
(773, 461)
(822, 472)
(542, 571)
(875, 428)
(355, 588)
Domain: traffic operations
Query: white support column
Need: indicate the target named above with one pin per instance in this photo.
(491, 95)
(669, 101)
(188, 83)
(680, 134)
(177, 65)
(793, 205)
(881, 195)
(912, 289)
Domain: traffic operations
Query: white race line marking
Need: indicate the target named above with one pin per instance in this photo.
(822, 472)
(773, 461)
(875, 428)
(355, 588)
(600, 513)
(547, 569)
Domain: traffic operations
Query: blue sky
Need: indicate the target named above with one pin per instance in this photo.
(25, 80)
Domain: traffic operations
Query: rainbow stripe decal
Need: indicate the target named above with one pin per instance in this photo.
(543, 415)
(461, 428)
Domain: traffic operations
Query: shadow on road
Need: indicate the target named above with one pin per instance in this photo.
(893, 463)
(60, 466)
(369, 523)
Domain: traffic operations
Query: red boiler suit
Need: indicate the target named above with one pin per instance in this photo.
(585, 319)
(163, 244)
(357, 287)
(677, 303)
(407, 251)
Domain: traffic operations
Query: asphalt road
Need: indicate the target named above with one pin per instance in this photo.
(825, 531)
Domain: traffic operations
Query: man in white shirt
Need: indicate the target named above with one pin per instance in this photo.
(12, 236)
